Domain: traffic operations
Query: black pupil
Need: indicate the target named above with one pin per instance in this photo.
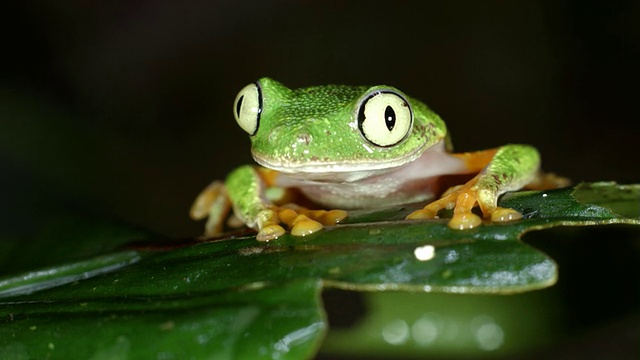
(389, 117)
(239, 105)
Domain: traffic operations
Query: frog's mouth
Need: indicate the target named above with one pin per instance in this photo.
(332, 172)
(344, 171)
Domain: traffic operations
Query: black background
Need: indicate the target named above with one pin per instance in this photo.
(127, 105)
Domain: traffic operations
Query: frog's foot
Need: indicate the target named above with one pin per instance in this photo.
(462, 199)
(299, 220)
(213, 203)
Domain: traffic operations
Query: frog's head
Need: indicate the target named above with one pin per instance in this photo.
(315, 131)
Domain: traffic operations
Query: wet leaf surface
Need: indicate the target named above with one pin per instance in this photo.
(236, 297)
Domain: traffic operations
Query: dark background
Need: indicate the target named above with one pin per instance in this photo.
(125, 106)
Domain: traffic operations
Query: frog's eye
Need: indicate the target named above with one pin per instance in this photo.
(247, 108)
(385, 118)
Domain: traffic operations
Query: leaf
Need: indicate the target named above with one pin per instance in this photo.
(234, 297)
(283, 321)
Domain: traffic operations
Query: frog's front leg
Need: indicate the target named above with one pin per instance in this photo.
(507, 168)
(246, 187)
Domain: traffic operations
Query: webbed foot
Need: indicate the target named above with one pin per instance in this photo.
(299, 220)
(462, 200)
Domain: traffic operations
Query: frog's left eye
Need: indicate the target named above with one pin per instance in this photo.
(247, 108)
(385, 118)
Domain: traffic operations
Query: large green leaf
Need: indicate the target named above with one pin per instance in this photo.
(235, 297)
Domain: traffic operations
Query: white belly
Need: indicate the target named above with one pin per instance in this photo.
(369, 194)
(412, 182)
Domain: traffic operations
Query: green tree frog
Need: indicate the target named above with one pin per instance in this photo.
(355, 147)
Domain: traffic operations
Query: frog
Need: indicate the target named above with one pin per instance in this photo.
(341, 148)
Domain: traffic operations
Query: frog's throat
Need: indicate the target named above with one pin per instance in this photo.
(351, 166)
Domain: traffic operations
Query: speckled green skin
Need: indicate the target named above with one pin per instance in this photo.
(245, 190)
(511, 169)
(318, 126)
(308, 132)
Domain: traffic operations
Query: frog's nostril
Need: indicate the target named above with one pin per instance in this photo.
(304, 138)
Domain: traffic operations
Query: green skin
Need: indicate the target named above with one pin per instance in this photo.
(312, 138)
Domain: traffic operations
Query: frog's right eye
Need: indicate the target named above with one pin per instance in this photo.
(247, 108)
